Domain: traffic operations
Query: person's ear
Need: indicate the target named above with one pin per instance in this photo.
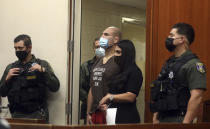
(30, 47)
(183, 39)
(116, 39)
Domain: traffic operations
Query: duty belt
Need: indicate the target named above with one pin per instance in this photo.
(172, 113)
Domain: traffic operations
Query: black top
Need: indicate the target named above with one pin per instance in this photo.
(128, 81)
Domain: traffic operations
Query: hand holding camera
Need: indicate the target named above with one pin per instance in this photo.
(12, 72)
(37, 67)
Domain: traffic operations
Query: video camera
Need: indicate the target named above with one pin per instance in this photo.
(24, 70)
(24, 74)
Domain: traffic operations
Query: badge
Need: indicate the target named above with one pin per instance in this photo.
(171, 75)
(200, 67)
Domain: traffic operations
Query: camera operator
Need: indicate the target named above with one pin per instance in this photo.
(25, 82)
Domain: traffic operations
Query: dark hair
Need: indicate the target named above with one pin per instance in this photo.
(128, 60)
(186, 30)
(96, 39)
(128, 53)
(25, 38)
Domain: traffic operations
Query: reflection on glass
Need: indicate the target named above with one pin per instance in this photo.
(98, 15)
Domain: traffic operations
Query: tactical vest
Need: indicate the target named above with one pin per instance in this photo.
(27, 93)
(170, 92)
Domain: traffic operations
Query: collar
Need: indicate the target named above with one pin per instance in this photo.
(188, 52)
(33, 60)
(93, 60)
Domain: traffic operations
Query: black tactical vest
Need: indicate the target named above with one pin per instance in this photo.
(170, 92)
(27, 92)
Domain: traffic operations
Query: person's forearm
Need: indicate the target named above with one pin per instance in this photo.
(193, 108)
(155, 118)
(49, 77)
(125, 97)
(89, 106)
(51, 81)
(90, 101)
(155, 115)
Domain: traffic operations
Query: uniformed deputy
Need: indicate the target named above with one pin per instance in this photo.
(25, 82)
(178, 91)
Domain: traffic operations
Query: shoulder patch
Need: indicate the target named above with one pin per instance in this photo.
(200, 67)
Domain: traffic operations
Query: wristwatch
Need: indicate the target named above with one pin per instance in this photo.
(111, 98)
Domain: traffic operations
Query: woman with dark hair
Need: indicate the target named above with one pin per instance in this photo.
(125, 87)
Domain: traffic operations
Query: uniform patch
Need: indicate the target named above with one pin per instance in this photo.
(200, 67)
(152, 85)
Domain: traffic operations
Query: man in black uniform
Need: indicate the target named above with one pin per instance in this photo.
(177, 93)
(25, 82)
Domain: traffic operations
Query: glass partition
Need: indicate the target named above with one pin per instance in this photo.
(129, 16)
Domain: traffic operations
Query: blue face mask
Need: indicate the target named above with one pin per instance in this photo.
(100, 52)
(104, 43)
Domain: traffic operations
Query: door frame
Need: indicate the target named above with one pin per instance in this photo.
(72, 104)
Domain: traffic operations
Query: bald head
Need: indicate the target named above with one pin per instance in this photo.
(112, 34)
(116, 32)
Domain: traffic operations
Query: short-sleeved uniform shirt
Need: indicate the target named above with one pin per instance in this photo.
(194, 72)
(100, 76)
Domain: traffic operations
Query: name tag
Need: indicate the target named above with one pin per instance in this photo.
(30, 77)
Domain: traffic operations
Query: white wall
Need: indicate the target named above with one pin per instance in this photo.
(46, 21)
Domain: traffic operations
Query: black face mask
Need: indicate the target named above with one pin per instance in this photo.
(21, 55)
(169, 44)
(119, 60)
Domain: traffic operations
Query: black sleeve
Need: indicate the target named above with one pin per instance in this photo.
(134, 81)
(84, 82)
(50, 79)
(4, 85)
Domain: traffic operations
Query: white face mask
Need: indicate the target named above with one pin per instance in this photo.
(104, 42)
(100, 52)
